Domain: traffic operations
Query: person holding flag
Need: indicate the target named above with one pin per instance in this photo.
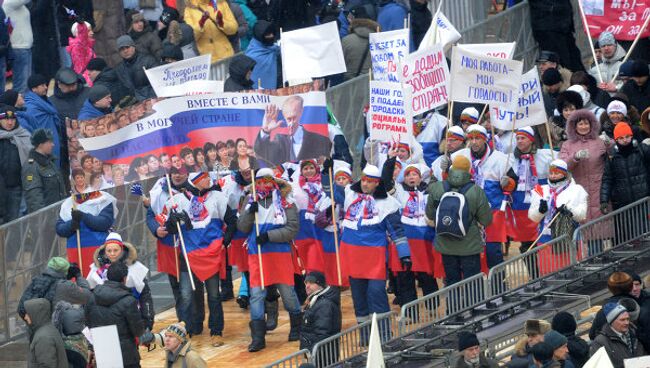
(429, 133)
(455, 142)
(270, 219)
(85, 220)
(488, 171)
(201, 214)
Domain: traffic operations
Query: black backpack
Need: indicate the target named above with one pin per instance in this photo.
(452, 215)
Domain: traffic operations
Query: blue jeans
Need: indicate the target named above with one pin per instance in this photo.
(368, 297)
(14, 197)
(289, 300)
(64, 57)
(22, 69)
(190, 304)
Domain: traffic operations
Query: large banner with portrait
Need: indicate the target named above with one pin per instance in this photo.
(209, 132)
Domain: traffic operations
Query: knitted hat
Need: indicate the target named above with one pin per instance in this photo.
(59, 264)
(622, 129)
(632, 308)
(170, 51)
(178, 330)
(551, 76)
(466, 340)
(619, 283)
(460, 163)
(7, 112)
(36, 80)
(371, 171)
(97, 92)
(412, 167)
(263, 172)
(114, 238)
(617, 106)
(125, 41)
(635, 276)
(456, 132)
(168, 14)
(639, 69)
(546, 55)
(564, 323)
(98, 64)
(343, 171)
(304, 163)
(612, 311)
(554, 339)
(9, 97)
(536, 327)
(526, 132)
(476, 130)
(470, 114)
(542, 352)
(41, 136)
(606, 38)
(625, 69)
(559, 165)
(316, 277)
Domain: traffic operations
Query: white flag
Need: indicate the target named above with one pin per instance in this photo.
(503, 50)
(180, 72)
(599, 360)
(440, 31)
(312, 52)
(375, 355)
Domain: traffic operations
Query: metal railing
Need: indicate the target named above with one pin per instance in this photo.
(291, 361)
(26, 244)
(221, 69)
(352, 342)
(444, 303)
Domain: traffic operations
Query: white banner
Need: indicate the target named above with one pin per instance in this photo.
(440, 31)
(312, 52)
(497, 50)
(389, 118)
(530, 105)
(483, 79)
(387, 49)
(106, 342)
(180, 72)
(427, 74)
(196, 87)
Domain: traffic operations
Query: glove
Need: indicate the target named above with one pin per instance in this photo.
(186, 220)
(607, 140)
(74, 271)
(444, 163)
(253, 207)
(604, 208)
(565, 211)
(406, 263)
(136, 189)
(581, 155)
(172, 220)
(203, 19)
(227, 239)
(323, 218)
(262, 239)
(146, 338)
(290, 172)
(327, 165)
(543, 206)
(646, 141)
(77, 215)
(219, 19)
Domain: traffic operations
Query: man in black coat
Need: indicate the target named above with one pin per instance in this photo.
(299, 144)
(637, 88)
(565, 323)
(420, 20)
(70, 93)
(240, 70)
(114, 304)
(130, 71)
(101, 74)
(322, 314)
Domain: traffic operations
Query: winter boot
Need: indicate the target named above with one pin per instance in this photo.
(296, 323)
(243, 302)
(271, 308)
(258, 330)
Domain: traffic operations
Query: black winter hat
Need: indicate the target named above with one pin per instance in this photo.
(564, 323)
(551, 56)
(117, 272)
(466, 340)
(551, 76)
(317, 278)
(7, 112)
(36, 80)
(41, 136)
(169, 14)
(568, 97)
(639, 69)
(98, 64)
(9, 97)
(170, 51)
(97, 92)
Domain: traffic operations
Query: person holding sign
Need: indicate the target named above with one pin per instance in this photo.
(299, 144)
(455, 142)
(489, 170)
(271, 221)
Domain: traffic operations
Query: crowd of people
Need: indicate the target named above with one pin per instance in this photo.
(427, 211)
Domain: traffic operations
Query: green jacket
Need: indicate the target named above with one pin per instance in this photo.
(479, 212)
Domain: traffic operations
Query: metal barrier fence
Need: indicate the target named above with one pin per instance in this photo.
(220, 70)
(26, 245)
(463, 13)
(291, 361)
(444, 303)
(352, 342)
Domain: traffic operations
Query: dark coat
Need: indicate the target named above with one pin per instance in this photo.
(131, 75)
(625, 179)
(600, 320)
(42, 181)
(108, 78)
(46, 349)
(10, 166)
(355, 47)
(42, 286)
(322, 318)
(239, 67)
(616, 349)
(551, 15)
(69, 104)
(114, 304)
(289, 15)
(483, 362)
(578, 350)
(420, 21)
(147, 42)
(277, 151)
(639, 96)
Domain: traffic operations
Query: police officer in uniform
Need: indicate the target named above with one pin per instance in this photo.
(43, 183)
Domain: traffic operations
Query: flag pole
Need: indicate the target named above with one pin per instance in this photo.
(550, 139)
(81, 266)
(180, 234)
(591, 44)
(629, 52)
(178, 272)
(336, 235)
(257, 232)
(542, 232)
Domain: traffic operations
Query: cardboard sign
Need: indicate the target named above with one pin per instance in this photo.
(180, 72)
(497, 50)
(389, 119)
(426, 73)
(108, 353)
(387, 49)
(530, 105)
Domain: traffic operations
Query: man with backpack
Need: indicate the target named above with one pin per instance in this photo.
(457, 207)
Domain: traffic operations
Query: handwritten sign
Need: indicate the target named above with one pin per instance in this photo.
(180, 72)
(483, 79)
(386, 51)
(389, 118)
(503, 50)
(623, 18)
(530, 106)
(426, 73)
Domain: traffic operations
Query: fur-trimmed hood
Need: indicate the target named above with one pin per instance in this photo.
(129, 255)
(575, 117)
(363, 27)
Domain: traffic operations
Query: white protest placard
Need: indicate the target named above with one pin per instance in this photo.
(504, 50)
(196, 87)
(389, 119)
(180, 72)
(483, 79)
(387, 49)
(440, 31)
(312, 52)
(426, 73)
(530, 105)
(108, 353)
(640, 362)
(599, 359)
